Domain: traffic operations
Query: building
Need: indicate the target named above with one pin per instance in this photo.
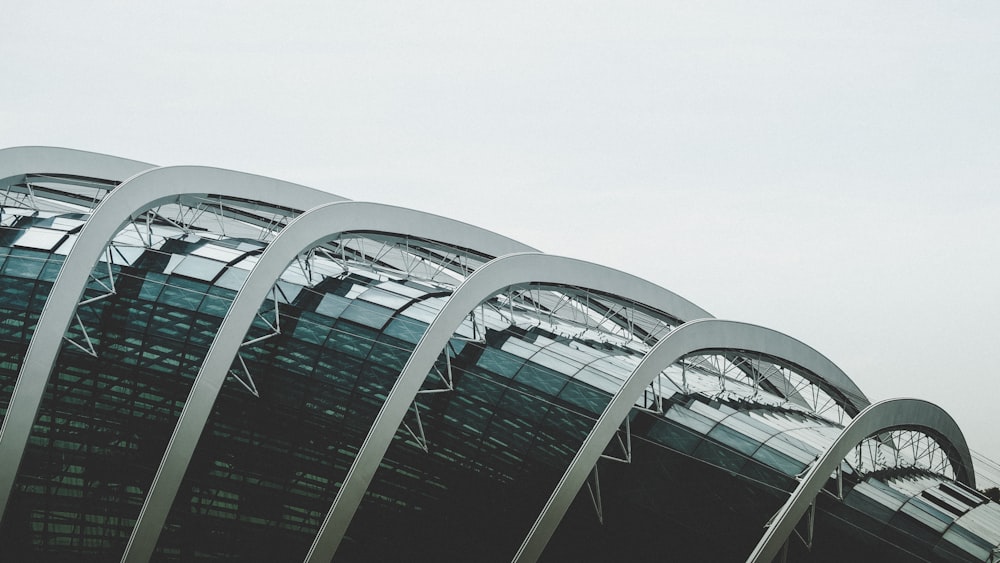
(200, 364)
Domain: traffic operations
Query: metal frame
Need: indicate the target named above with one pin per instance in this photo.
(692, 337)
(305, 232)
(880, 417)
(16, 162)
(141, 192)
(489, 280)
(145, 186)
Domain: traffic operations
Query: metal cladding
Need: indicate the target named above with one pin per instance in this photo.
(198, 364)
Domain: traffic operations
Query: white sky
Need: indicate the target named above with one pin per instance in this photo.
(829, 170)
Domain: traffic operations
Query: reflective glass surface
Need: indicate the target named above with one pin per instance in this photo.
(502, 413)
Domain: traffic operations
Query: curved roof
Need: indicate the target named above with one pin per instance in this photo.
(141, 192)
(307, 230)
(882, 416)
(305, 218)
(501, 273)
(16, 162)
(689, 338)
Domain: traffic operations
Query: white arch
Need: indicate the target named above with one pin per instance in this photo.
(692, 337)
(136, 195)
(489, 280)
(306, 231)
(15, 162)
(914, 414)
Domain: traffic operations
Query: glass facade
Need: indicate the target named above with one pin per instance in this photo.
(711, 450)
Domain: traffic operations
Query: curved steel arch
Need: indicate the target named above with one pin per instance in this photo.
(880, 417)
(307, 230)
(490, 279)
(692, 337)
(18, 162)
(136, 195)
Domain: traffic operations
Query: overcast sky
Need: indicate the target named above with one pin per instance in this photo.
(831, 171)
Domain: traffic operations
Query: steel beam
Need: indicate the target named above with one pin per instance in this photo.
(144, 191)
(892, 414)
(690, 338)
(489, 280)
(307, 231)
(17, 162)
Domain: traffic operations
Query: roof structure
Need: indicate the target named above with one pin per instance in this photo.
(202, 364)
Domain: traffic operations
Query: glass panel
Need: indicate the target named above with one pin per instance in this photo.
(884, 494)
(425, 311)
(525, 406)
(51, 269)
(367, 314)
(741, 423)
(390, 353)
(927, 514)
(792, 437)
(480, 387)
(576, 352)
(217, 252)
(720, 456)
(674, 436)
(411, 292)
(42, 239)
(384, 298)
(215, 305)
(773, 458)
(332, 305)
(599, 379)
(519, 347)
(788, 449)
(557, 363)
(585, 396)
(152, 287)
(233, 278)
(312, 328)
(961, 494)
(174, 261)
(352, 339)
(125, 255)
(287, 292)
(24, 264)
(944, 501)
(499, 362)
(613, 369)
(545, 380)
(199, 268)
(179, 297)
(984, 521)
(968, 542)
(690, 419)
(66, 223)
(707, 411)
(406, 329)
(859, 499)
(734, 439)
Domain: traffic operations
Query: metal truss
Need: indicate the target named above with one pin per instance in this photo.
(447, 383)
(901, 447)
(385, 253)
(496, 277)
(313, 228)
(763, 373)
(350, 235)
(144, 191)
(879, 418)
(592, 311)
(689, 339)
(243, 375)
